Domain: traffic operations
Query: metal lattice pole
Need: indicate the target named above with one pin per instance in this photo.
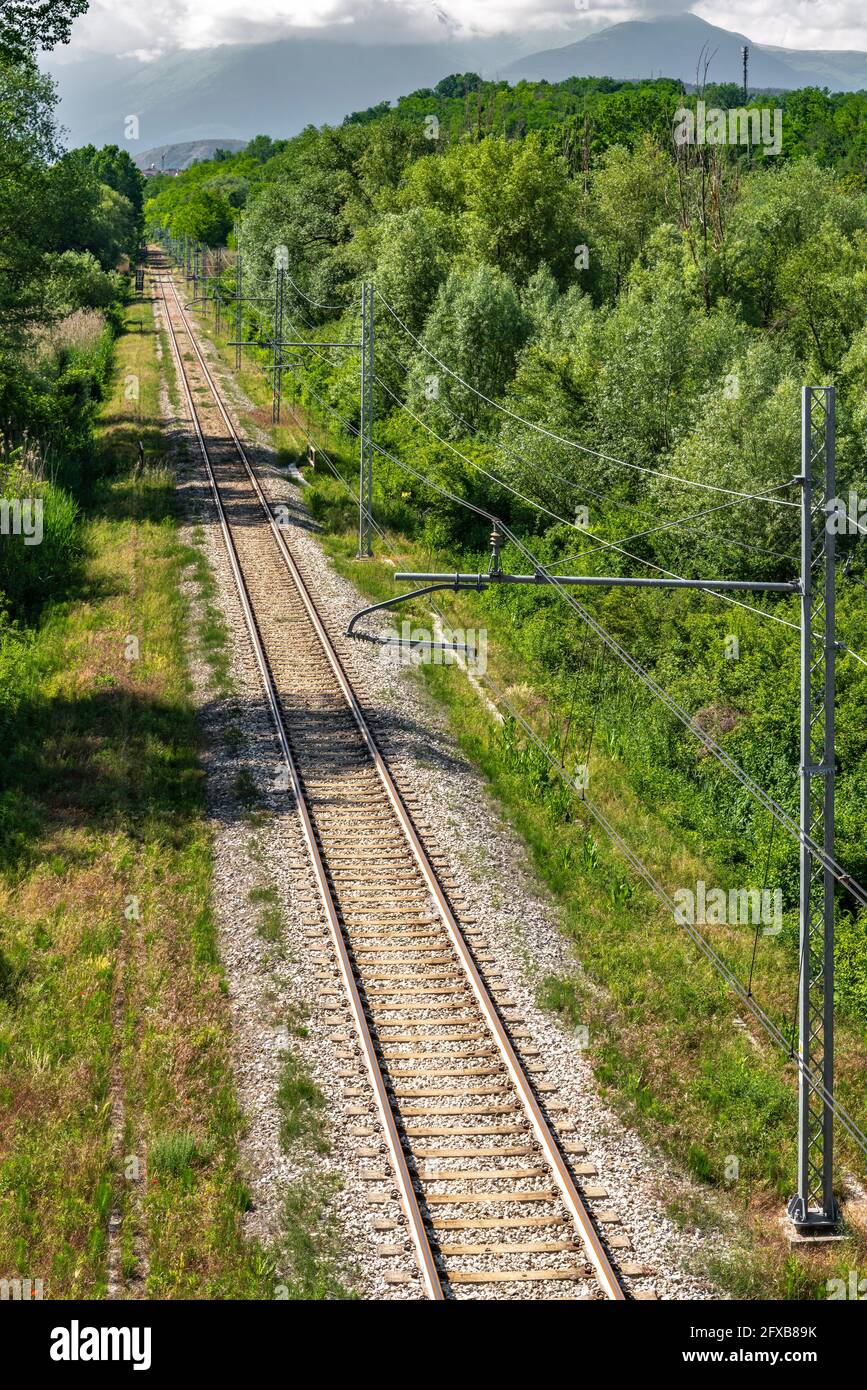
(279, 281)
(206, 280)
(365, 434)
(239, 294)
(813, 1204)
(218, 272)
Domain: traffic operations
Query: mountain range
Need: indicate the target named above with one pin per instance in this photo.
(278, 88)
(678, 47)
(247, 89)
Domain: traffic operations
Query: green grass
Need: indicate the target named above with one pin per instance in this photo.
(175, 1155)
(245, 789)
(111, 988)
(301, 1104)
(270, 926)
(211, 632)
(311, 1247)
(110, 985)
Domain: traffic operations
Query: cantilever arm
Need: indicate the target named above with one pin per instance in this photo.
(414, 593)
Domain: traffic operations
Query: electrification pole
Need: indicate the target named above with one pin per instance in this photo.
(279, 286)
(813, 1204)
(745, 54)
(239, 294)
(280, 345)
(365, 433)
(218, 272)
(206, 279)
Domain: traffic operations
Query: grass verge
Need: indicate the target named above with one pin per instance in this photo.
(117, 1097)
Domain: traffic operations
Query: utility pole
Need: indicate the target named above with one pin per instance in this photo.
(745, 54)
(218, 271)
(279, 290)
(365, 433)
(239, 294)
(813, 1205)
(280, 345)
(205, 280)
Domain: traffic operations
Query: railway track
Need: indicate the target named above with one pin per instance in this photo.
(488, 1196)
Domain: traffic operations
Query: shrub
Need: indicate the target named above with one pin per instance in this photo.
(37, 566)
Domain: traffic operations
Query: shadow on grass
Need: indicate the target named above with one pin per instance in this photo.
(119, 761)
(112, 760)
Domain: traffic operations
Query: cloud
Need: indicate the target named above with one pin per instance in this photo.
(127, 27)
(828, 24)
(161, 26)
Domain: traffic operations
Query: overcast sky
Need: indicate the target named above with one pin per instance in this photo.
(128, 26)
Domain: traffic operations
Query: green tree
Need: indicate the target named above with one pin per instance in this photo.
(459, 84)
(77, 281)
(412, 257)
(206, 216)
(30, 215)
(658, 351)
(116, 168)
(778, 212)
(822, 292)
(745, 435)
(116, 227)
(631, 193)
(27, 25)
(521, 208)
(476, 327)
(391, 147)
(262, 148)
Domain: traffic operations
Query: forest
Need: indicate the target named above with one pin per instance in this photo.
(70, 224)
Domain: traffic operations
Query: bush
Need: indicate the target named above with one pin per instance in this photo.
(77, 281)
(40, 560)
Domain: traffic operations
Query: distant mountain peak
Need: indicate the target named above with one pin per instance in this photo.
(679, 46)
(184, 153)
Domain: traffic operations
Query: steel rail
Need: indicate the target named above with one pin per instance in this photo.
(572, 1200)
(424, 1252)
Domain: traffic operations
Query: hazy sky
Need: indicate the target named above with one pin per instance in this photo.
(128, 26)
